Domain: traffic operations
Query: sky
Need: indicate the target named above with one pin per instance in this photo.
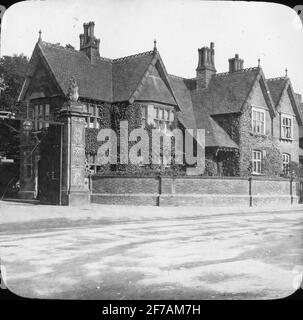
(269, 31)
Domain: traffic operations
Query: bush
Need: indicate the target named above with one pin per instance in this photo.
(295, 170)
(211, 168)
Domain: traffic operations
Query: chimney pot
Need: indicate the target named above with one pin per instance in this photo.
(206, 65)
(88, 43)
(235, 64)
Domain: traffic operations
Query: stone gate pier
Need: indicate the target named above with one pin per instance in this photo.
(74, 188)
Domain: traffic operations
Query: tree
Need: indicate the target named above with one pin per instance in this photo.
(12, 74)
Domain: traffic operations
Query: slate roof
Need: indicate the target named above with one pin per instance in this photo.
(182, 89)
(155, 88)
(94, 81)
(109, 80)
(115, 80)
(276, 86)
(193, 116)
(227, 92)
(127, 73)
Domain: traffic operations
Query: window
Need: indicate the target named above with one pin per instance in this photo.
(257, 162)
(161, 117)
(286, 127)
(258, 121)
(91, 163)
(286, 162)
(144, 116)
(93, 120)
(41, 113)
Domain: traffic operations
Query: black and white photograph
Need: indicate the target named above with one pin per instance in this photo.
(151, 150)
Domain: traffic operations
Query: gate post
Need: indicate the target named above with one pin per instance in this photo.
(74, 190)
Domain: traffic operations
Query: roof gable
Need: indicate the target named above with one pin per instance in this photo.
(155, 88)
(276, 86)
(284, 96)
(258, 98)
(128, 73)
(158, 63)
(37, 66)
(94, 81)
(260, 82)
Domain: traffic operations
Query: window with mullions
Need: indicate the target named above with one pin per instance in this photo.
(286, 127)
(160, 117)
(93, 120)
(286, 162)
(257, 162)
(91, 163)
(41, 112)
(258, 121)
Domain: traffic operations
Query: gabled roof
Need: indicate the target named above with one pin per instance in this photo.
(109, 80)
(193, 116)
(182, 88)
(94, 81)
(278, 88)
(227, 92)
(127, 73)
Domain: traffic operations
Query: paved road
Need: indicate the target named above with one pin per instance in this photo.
(231, 256)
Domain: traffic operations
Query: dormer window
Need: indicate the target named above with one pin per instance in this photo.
(258, 120)
(286, 127)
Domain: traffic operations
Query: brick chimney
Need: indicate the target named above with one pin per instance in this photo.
(235, 64)
(206, 65)
(88, 43)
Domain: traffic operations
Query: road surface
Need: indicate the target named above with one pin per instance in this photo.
(236, 255)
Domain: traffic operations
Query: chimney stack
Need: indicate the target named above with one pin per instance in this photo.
(235, 64)
(206, 65)
(88, 43)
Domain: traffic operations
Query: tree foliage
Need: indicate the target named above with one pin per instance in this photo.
(12, 74)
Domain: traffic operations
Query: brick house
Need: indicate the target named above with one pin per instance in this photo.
(251, 123)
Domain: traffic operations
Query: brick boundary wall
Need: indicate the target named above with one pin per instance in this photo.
(194, 191)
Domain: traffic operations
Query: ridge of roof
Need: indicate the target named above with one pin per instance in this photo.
(277, 79)
(146, 53)
(181, 78)
(222, 74)
(58, 46)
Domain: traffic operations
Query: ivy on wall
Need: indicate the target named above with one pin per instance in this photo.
(91, 143)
